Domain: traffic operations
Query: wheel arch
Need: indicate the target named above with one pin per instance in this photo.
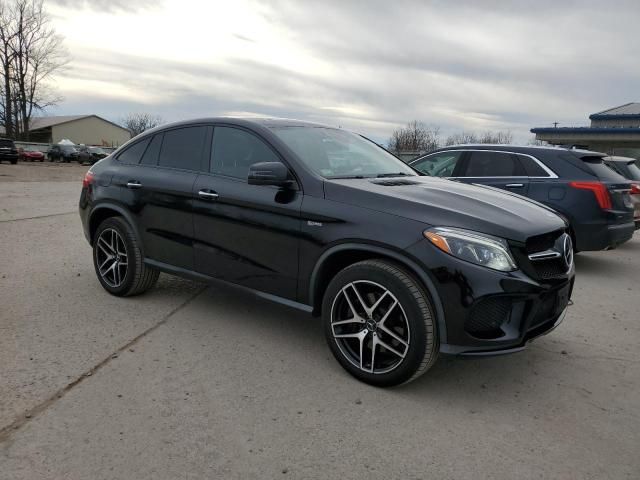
(341, 256)
(101, 212)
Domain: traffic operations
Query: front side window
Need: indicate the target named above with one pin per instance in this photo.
(182, 148)
(234, 150)
(439, 164)
(335, 153)
(491, 164)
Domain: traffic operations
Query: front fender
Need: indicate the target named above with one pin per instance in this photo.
(408, 262)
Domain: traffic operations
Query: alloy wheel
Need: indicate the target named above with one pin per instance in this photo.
(370, 327)
(111, 257)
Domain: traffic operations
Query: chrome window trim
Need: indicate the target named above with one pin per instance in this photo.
(551, 173)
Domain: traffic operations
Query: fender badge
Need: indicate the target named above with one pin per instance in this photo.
(314, 224)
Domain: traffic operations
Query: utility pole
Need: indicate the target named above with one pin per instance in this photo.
(555, 124)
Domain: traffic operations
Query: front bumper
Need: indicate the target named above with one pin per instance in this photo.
(530, 336)
(486, 312)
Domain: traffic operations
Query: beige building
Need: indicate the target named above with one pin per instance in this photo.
(615, 131)
(80, 129)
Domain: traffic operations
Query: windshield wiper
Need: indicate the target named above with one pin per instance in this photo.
(396, 174)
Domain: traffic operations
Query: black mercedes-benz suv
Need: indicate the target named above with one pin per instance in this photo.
(400, 266)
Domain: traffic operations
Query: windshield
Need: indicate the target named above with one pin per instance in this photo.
(339, 154)
(96, 150)
(68, 148)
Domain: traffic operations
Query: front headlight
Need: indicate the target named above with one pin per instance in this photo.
(478, 248)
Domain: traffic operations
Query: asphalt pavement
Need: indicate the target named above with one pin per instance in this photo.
(192, 381)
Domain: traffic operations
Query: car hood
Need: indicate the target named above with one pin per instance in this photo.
(440, 202)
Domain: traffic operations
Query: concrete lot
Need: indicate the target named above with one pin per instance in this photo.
(190, 381)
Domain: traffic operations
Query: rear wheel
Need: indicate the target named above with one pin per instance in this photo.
(118, 260)
(379, 323)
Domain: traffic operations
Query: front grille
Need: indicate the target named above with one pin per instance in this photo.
(543, 242)
(548, 269)
(487, 316)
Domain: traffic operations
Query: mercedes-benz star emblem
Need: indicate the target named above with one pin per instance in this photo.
(568, 252)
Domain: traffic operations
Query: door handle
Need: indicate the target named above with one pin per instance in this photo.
(134, 184)
(514, 185)
(207, 195)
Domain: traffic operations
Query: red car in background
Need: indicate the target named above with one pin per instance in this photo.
(31, 154)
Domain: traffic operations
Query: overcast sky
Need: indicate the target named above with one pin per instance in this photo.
(369, 66)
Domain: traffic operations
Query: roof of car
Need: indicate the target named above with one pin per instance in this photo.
(518, 148)
(264, 121)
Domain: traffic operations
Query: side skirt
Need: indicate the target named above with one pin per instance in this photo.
(200, 277)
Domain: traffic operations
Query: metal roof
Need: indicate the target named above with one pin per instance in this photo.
(628, 110)
(586, 130)
(38, 123)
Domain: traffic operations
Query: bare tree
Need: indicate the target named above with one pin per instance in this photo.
(30, 53)
(499, 137)
(137, 123)
(7, 34)
(537, 143)
(415, 137)
(461, 138)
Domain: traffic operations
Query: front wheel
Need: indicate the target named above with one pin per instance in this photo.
(118, 260)
(379, 323)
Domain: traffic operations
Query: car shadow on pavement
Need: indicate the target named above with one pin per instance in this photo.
(283, 331)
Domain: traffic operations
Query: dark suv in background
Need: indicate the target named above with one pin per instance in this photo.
(576, 183)
(63, 153)
(8, 151)
(400, 266)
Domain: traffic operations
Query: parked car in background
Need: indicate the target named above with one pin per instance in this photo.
(576, 183)
(90, 154)
(8, 151)
(399, 265)
(628, 168)
(63, 153)
(31, 153)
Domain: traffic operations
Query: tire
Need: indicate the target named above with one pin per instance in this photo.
(402, 307)
(130, 276)
(13, 162)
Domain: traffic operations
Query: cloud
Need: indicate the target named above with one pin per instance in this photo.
(369, 66)
(108, 5)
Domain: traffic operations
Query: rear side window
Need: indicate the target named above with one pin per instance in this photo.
(492, 164)
(6, 143)
(133, 154)
(439, 164)
(531, 167)
(602, 170)
(150, 157)
(182, 148)
(234, 150)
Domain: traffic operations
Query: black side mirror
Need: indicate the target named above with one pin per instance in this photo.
(269, 173)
